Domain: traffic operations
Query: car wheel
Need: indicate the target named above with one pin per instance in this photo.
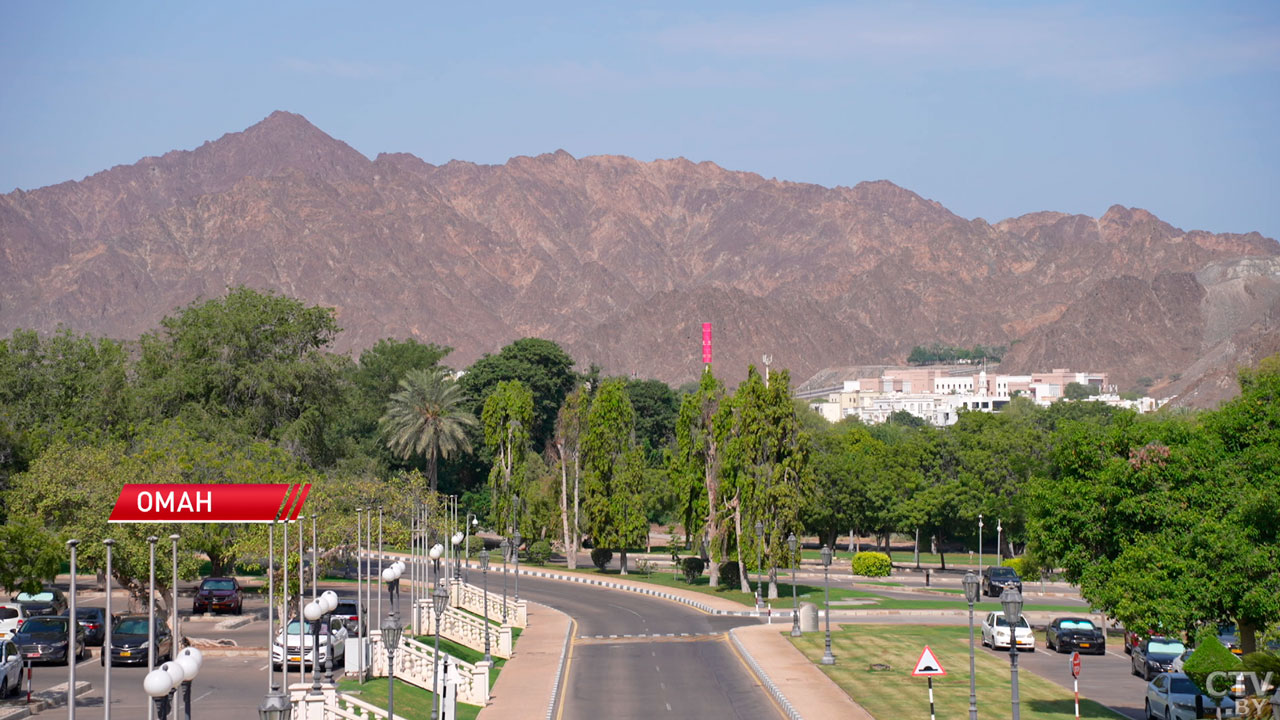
(1167, 714)
(4, 687)
(1146, 709)
(1134, 670)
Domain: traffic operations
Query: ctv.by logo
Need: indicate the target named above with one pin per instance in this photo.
(1220, 683)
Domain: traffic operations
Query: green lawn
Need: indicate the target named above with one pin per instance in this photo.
(468, 655)
(894, 694)
(905, 558)
(411, 700)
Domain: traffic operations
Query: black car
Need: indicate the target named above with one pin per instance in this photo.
(94, 622)
(44, 639)
(218, 594)
(129, 639)
(49, 601)
(995, 578)
(1155, 655)
(1071, 633)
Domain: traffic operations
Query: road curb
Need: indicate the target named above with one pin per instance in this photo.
(555, 686)
(764, 677)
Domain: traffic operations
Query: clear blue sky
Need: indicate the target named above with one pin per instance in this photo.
(993, 109)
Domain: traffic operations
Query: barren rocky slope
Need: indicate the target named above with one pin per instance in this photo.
(621, 261)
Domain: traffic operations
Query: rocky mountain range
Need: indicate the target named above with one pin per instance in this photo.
(621, 261)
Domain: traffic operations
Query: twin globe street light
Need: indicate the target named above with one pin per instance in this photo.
(314, 612)
(162, 683)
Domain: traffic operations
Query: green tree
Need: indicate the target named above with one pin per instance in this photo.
(31, 557)
(1079, 391)
(656, 409)
(696, 464)
(570, 425)
(426, 418)
(613, 472)
(540, 365)
(507, 418)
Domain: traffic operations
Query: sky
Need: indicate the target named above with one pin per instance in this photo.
(993, 109)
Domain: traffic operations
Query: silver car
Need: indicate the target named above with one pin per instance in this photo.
(1172, 696)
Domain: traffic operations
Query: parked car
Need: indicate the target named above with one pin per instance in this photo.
(1230, 637)
(129, 638)
(49, 601)
(1074, 633)
(995, 633)
(10, 668)
(1155, 655)
(1174, 696)
(218, 594)
(44, 639)
(350, 612)
(333, 641)
(94, 622)
(12, 615)
(995, 578)
(1180, 661)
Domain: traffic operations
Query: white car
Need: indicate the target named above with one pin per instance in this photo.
(333, 640)
(1172, 696)
(10, 668)
(995, 633)
(12, 615)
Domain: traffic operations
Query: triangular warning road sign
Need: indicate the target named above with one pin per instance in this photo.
(928, 665)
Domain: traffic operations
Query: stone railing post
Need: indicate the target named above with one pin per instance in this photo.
(307, 706)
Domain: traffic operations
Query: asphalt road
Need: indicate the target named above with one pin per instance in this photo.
(1104, 678)
(678, 662)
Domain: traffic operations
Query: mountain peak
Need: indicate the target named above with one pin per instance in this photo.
(281, 142)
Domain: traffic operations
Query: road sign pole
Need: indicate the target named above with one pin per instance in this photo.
(1075, 683)
(1075, 679)
(931, 716)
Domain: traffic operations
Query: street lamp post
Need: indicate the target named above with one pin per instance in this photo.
(177, 631)
(505, 546)
(484, 573)
(106, 642)
(759, 564)
(72, 626)
(979, 542)
(827, 657)
(391, 638)
(472, 521)
(456, 540)
(1011, 599)
(330, 600)
(441, 601)
(999, 544)
(158, 683)
(190, 660)
(971, 595)
(515, 552)
(795, 603)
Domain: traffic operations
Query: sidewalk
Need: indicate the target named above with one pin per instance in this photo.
(522, 690)
(809, 694)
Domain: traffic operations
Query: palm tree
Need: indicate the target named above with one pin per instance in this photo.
(424, 417)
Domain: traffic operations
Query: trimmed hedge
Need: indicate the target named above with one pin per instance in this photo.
(540, 552)
(692, 568)
(1210, 656)
(871, 564)
(601, 557)
(730, 576)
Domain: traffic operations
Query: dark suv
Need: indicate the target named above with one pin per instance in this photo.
(49, 601)
(218, 594)
(995, 578)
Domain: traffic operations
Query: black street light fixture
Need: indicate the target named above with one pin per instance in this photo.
(484, 573)
(440, 600)
(190, 660)
(971, 595)
(1011, 599)
(795, 603)
(827, 657)
(275, 706)
(391, 638)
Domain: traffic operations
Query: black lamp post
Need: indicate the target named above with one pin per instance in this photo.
(1011, 599)
(391, 638)
(484, 573)
(275, 706)
(190, 660)
(515, 551)
(827, 657)
(795, 603)
(759, 565)
(505, 546)
(971, 595)
(440, 600)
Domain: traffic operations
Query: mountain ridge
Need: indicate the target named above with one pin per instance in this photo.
(602, 251)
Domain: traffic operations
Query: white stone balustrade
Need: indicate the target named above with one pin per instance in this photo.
(466, 629)
(414, 666)
(470, 597)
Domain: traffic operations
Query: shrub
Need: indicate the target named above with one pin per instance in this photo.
(601, 557)
(692, 568)
(1210, 656)
(540, 552)
(871, 564)
(644, 567)
(730, 576)
(1019, 565)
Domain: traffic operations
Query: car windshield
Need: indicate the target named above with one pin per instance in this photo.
(219, 584)
(1001, 622)
(1077, 625)
(133, 626)
(1172, 648)
(41, 625)
(293, 626)
(1182, 686)
(45, 596)
(8, 613)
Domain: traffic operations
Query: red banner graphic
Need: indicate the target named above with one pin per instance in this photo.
(706, 343)
(181, 503)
